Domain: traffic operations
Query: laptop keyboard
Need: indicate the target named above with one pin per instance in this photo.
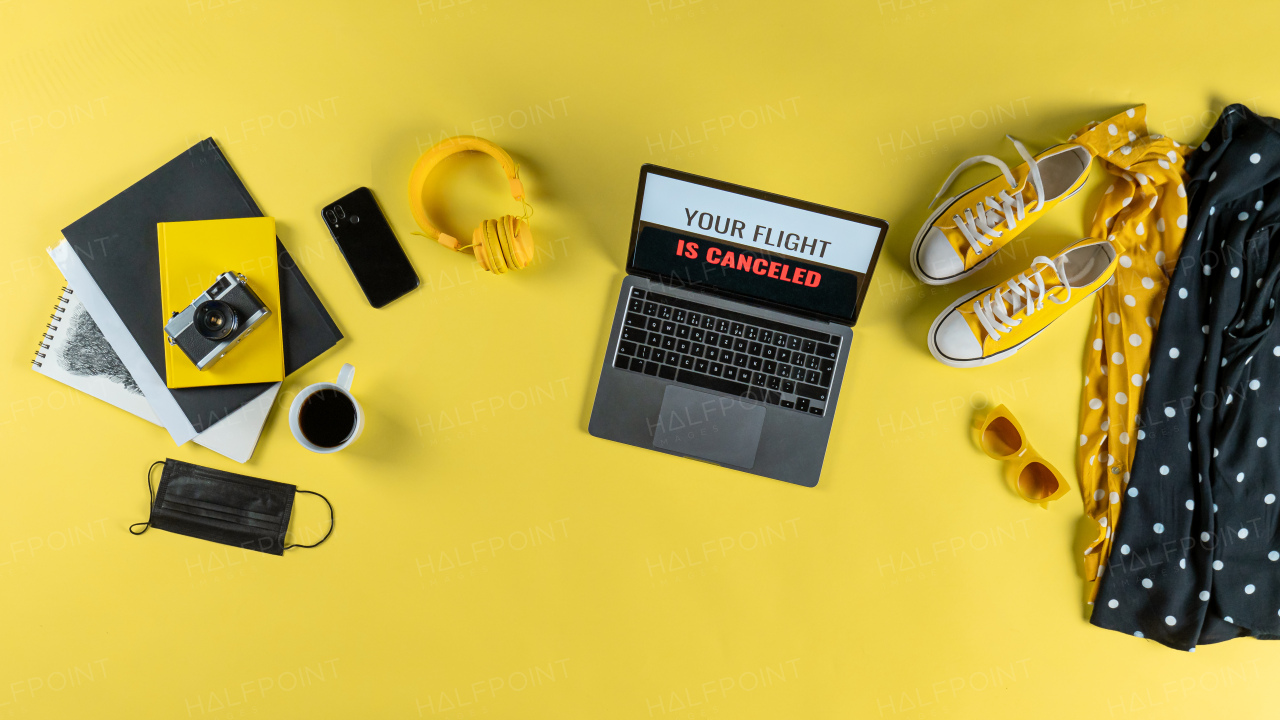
(727, 351)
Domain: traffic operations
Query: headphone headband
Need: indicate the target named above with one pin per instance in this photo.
(432, 157)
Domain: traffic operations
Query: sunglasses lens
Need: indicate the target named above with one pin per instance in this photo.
(1037, 482)
(1001, 438)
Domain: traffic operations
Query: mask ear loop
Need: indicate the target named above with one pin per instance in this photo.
(151, 491)
(326, 535)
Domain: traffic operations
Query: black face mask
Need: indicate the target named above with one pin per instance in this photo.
(224, 507)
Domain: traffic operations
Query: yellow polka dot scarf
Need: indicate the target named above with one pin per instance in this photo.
(1143, 213)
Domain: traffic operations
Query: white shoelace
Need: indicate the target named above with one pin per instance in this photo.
(1024, 291)
(978, 223)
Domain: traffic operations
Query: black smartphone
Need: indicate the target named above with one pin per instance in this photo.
(370, 246)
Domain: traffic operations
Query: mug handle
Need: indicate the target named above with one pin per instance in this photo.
(345, 376)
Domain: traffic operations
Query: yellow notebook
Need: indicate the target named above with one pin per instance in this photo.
(192, 256)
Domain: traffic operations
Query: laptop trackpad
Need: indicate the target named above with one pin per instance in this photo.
(720, 429)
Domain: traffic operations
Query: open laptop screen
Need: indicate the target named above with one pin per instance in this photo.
(769, 249)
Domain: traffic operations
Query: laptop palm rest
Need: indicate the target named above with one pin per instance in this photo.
(712, 427)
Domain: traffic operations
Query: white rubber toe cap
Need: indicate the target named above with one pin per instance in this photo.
(937, 258)
(954, 339)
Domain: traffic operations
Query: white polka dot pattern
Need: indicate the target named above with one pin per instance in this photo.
(1143, 215)
(1203, 485)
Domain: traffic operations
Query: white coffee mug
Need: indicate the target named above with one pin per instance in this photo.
(345, 376)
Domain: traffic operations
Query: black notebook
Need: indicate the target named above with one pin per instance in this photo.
(117, 245)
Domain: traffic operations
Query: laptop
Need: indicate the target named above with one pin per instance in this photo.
(733, 325)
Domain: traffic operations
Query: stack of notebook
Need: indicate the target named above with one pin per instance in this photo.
(107, 336)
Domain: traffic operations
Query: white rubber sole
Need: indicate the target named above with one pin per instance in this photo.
(953, 362)
(924, 229)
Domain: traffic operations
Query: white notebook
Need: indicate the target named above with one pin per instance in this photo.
(74, 352)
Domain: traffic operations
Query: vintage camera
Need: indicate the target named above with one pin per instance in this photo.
(216, 320)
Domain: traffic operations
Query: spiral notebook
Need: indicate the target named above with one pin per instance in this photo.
(73, 351)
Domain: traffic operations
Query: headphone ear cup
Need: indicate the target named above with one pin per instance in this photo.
(522, 240)
(505, 238)
(495, 246)
(478, 247)
(508, 224)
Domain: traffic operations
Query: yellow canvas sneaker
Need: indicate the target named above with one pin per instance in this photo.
(966, 231)
(991, 324)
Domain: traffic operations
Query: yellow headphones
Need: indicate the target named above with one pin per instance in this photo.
(503, 244)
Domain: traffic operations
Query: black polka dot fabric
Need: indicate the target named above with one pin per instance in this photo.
(1197, 551)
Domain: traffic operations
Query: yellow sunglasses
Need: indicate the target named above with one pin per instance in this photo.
(1000, 435)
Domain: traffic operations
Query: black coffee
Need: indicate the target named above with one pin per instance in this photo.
(327, 418)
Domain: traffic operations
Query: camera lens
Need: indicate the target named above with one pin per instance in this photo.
(215, 319)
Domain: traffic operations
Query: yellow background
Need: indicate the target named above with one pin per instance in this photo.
(909, 583)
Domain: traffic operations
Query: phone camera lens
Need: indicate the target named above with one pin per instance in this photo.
(355, 218)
